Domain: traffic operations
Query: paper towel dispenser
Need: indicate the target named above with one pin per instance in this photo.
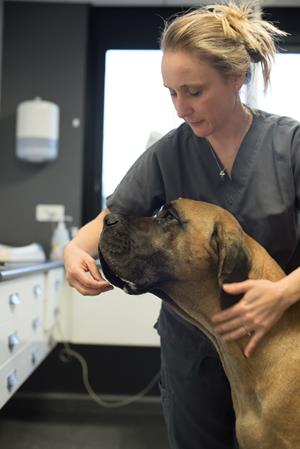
(37, 130)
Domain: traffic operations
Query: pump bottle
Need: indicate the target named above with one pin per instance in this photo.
(59, 240)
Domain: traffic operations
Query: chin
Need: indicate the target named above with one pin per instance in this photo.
(199, 133)
(201, 130)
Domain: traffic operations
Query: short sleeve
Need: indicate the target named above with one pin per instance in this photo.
(141, 191)
(296, 161)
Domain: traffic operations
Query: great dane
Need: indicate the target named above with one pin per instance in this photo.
(183, 254)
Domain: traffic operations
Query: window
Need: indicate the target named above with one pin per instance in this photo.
(138, 109)
(283, 95)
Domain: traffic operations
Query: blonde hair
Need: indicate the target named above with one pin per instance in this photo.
(228, 36)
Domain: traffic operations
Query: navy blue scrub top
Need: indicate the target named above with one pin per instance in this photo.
(263, 192)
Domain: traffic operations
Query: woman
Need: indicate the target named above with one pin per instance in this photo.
(245, 161)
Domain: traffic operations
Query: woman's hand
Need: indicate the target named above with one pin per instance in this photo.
(82, 272)
(260, 308)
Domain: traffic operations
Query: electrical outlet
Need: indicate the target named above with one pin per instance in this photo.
(50, 212)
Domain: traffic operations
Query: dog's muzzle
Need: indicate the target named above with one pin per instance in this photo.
(114, 245)
(129, 259)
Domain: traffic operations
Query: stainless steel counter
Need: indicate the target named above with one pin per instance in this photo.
(11, 270)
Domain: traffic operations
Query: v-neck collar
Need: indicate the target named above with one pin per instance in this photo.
(244, 159)
(227, 192)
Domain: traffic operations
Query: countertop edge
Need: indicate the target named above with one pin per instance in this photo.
(25, 270)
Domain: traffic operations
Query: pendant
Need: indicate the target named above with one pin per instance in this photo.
(222, 174)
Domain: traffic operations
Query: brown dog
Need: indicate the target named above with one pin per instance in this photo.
(183, 255)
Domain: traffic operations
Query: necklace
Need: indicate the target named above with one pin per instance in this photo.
(222, 171)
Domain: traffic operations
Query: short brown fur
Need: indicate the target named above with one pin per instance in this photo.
(266, 387)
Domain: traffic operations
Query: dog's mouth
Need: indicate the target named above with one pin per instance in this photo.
(132, 289)
(128, 286)
(109, 274)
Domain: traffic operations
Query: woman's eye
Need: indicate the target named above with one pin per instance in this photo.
(172, 93)
(195, 92)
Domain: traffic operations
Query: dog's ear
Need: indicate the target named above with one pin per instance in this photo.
(232, 258)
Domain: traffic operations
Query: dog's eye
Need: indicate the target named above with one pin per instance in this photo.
(169, 215)
(166, 214)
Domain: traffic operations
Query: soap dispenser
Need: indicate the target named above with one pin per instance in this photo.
(59, 240)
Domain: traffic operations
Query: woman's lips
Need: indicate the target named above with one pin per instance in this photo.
(199, 122)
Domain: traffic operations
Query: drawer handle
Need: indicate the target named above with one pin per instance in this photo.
(34, 357)
(57, 285)
(13, 341)
(36, 322)
(14, 299)
(37, 291)
(12, 380)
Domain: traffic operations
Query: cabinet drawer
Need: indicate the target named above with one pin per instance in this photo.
(20, 297)
(14, 336)
(12, 340)
(19, 367)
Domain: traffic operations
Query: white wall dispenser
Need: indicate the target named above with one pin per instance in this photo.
(37, 130)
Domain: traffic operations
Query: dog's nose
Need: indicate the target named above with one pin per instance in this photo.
(111, 220)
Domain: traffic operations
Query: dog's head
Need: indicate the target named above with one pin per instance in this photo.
(186, 241)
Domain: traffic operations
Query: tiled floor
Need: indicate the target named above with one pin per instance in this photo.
(131, 429)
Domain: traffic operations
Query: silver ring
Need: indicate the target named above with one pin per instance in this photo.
(247, 331)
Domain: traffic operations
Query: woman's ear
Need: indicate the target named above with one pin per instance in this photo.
(238, 81)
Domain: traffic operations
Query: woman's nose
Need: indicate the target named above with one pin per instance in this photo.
(183, 108)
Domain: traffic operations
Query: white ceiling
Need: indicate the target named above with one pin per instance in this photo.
(179, 3)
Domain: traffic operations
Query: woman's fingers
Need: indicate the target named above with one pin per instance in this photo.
(228, 326)
(93, 290)
(83, 274)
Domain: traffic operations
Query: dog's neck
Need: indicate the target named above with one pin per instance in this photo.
(252, 371)
(263, 382)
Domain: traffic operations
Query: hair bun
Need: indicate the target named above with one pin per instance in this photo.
(232, 11)
(234, 18)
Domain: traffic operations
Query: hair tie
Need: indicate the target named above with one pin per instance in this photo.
(255, 56)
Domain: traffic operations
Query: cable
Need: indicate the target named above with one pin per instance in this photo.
(68, 352)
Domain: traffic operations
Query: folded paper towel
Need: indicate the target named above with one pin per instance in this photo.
(28, 253)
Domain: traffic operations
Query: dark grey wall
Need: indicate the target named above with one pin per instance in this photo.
(44, 54)
(1, 37)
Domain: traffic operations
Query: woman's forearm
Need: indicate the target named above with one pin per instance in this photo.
(290, 286)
